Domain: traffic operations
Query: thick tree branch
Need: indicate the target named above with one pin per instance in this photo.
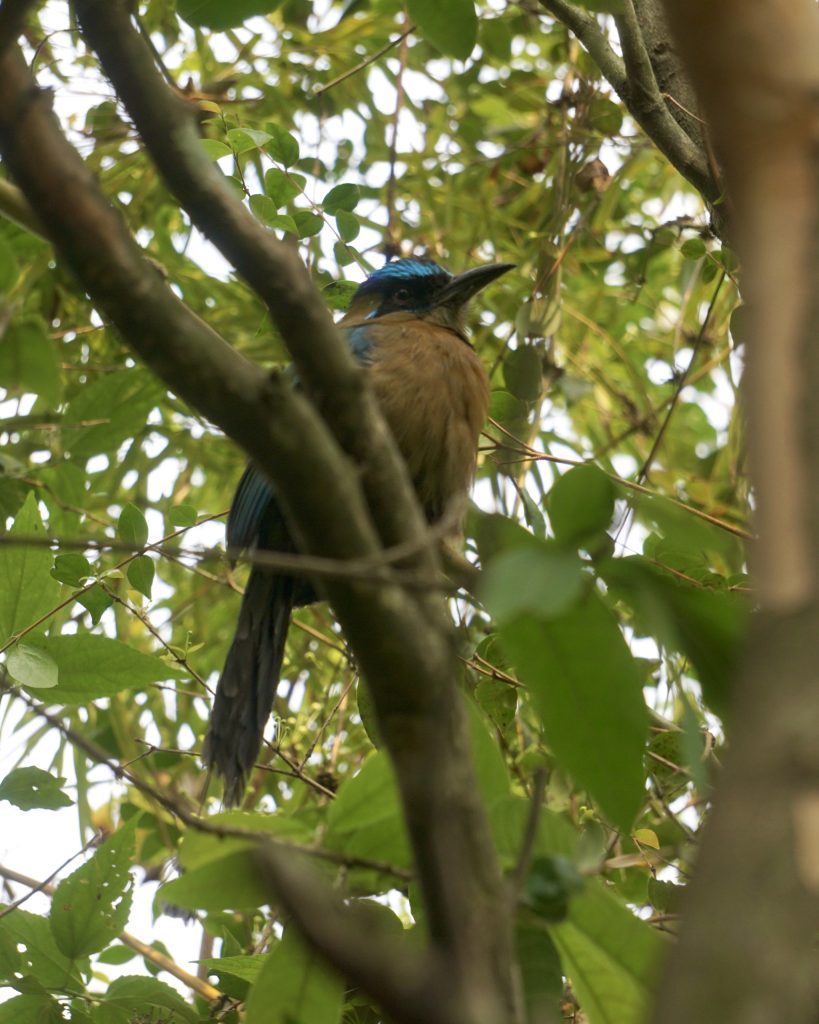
(402, 641)
(407, 987)
(747, 945)
(633, 79)
(13, 14)
(669, 71)
(651, 111)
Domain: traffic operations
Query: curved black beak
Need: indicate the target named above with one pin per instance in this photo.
(461, 288)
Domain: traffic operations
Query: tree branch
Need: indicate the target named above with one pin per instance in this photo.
(408, 987)
(669, 70)
(651, 112)
(632, 78)
(13, 14)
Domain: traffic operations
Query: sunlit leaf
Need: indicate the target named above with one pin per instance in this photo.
(586, 687)
(453, 28)
(31, 787)
(27, 590)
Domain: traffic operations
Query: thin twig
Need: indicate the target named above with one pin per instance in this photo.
(529, 834)
(365, 63)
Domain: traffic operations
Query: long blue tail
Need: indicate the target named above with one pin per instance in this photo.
(247, 686)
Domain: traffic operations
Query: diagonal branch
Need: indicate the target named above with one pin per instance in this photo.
(587, 29)
(409, 987)
(633, 79)
(650, 110)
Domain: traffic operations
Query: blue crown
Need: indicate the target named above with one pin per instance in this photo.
(402, 270)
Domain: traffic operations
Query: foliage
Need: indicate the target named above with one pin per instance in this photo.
(613, 599)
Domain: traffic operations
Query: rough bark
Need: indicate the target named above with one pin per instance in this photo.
(746, 951)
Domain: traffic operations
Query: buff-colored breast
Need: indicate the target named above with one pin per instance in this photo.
(434, 392)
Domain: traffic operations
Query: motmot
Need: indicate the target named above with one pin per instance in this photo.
(407, 325)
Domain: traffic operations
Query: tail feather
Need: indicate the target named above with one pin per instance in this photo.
(247, 686)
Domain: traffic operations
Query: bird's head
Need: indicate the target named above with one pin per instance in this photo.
(424, 289)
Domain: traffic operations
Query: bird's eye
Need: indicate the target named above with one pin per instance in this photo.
(402, 295)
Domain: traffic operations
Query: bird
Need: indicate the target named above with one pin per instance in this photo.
(406, 324)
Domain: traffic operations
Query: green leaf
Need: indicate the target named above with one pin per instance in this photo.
(39, 1009)
(348, 226)
(27, 590)
(499, 701)
(549, 886)
(216, 149)
(540, 971)
(452, 27)
(141, 575)
(221, 873)
(282, 146)
(262, 207)
(282, 186)
(28, 360)
(609, 955)
(134, 998)
(200, 848)
(91, 907)
(32, 667)
(540, 578)
(245, 968)
(73, 569)
(341, 197)
(218, 15)
(114, 407)
(705, 624)
(40, 957)
(490, 767)
(693, 248)
(523, 373)
(182, 515)
(230, 882)
(307, 224)
(295, 985)
(132, 527)
(366, 711)
(587, 689)
(283, 222)
(93, 666)
(365, 819)
(116, 955)
(581, 504)
(509, 818)
(95, 600)
(9, 268)
(29, 788)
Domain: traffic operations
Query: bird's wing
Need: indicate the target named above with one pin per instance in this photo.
(252, 500)
(255, 499)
